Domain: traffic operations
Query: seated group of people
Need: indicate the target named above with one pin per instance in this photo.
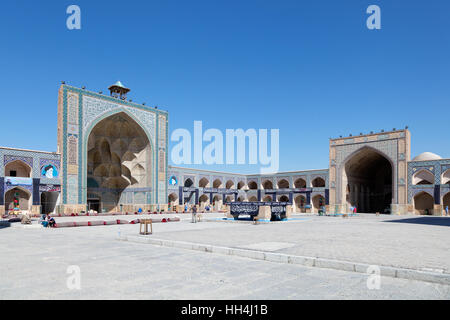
(47, 221)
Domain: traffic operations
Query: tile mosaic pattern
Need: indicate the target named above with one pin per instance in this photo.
(81, 111)
(95, 108)
(10, 158)
(35, 159)
(182, 174)
(437, 168)
(387, 147)
(32, 158)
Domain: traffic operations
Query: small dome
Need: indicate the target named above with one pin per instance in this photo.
(427, 156)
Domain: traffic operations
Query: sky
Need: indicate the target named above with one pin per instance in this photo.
(311, 69)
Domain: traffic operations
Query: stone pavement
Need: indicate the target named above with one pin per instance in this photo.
(398, 241)
(35, 261)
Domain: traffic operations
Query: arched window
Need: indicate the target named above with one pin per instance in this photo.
(283, 184)
(300, 203)
(446, 201)
(188, 183)
(423, 203)
(446, 177)
(318, 202)
(252, 185)
(18, 168)
(17, 199)
(267, 184)
(300, 183)
(423, 177)
(217, 183)
(318, 183)
(173, 198)
(203, 183)
(229, 184)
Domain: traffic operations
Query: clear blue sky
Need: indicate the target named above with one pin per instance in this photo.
(310, 68)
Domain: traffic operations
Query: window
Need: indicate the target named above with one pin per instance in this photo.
(13, 173)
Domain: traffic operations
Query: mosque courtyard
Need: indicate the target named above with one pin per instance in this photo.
(115, 262)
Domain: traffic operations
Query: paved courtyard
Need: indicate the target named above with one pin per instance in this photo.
(34, 261)
(416, 242)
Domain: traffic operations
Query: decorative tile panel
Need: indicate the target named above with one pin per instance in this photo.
(94, 108)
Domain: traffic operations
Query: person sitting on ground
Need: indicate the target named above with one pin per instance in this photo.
(44, 223)
(51, 221)
(25, 219)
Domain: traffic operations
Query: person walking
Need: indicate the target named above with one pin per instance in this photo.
(446, 210)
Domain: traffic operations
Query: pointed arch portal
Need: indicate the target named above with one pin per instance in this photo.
(119, 158)
(367, 181)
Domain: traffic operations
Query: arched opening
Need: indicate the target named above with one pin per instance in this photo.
(368, 177)
(283, 184)
(229, 184)
(93, 201)
(446, 201)
(217, 183)
(119, 158)
(267, 184)
(229, 199)
(241, 185)
(318, 202)
(17, 199)
(300, 203)
(446, 177)
(423, 203)
(203, 201)
(173, 200)
(422, 177)
(318, 183)
(203, 183)
(18, 168)
(267, 199)
(217, 202)
(253, 199)
(283, 198)
(240, 199)
(48, 202)
(300, 183)
(188, 183)
(252, 185)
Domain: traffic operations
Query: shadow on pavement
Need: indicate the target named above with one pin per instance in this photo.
(432, 221)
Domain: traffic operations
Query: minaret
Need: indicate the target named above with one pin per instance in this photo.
(118, 90)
